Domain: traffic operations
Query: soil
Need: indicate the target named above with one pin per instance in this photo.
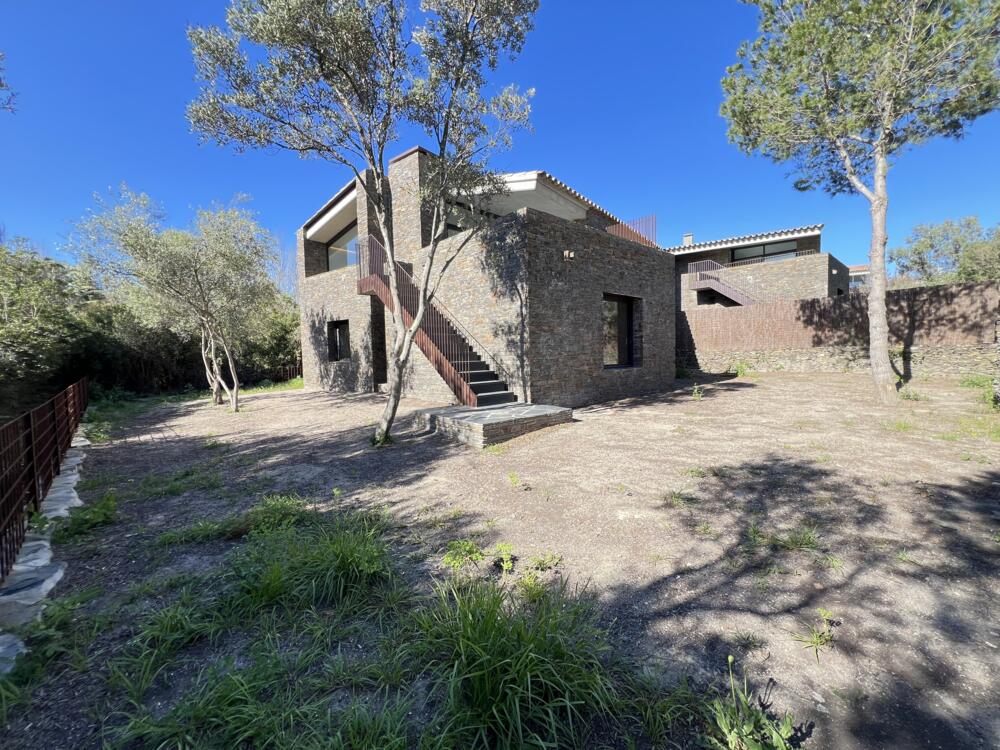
(671, 509)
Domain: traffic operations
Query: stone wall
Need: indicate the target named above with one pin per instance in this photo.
(565, 299)
(946, 329)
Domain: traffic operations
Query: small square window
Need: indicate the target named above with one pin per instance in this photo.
(338, 340)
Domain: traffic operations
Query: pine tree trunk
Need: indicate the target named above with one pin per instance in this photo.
(878, 323)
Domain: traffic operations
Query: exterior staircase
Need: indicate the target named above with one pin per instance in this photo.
(707, 274)
(473, 375)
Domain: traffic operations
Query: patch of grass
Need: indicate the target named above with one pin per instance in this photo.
(747, 641)
(695, 471)
(211, 445)
(908, 394)
(831, 562)
(266, 386)
(86, 518)
(801, 538)
(697, 392)
(512, 675)
(514, 479)
(274, 512)
(294, 568)
(755, 536)
(740, 369)
(497, 449)
(678, 499)
(462, 552)
(179, 482)
(703, 529)
(57, 641)
(818, 636)
(899, 425)
(530, 587)
(546, 561)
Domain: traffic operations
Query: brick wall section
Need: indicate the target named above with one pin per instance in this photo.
(943, 329)
(565, 298)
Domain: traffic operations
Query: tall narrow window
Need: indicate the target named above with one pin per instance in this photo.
(618, 319)
(338, 340)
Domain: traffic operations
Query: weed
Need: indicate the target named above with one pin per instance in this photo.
(461, 552)
(503, 557)
(908, 394)
(83, 520)
(755, 537)
(497, 449)
(818, 636)
(177, 483)
(976, 381)
(678, 499)
(748, 641)
(905, 557)
(740, 722)
(695, 471)
(511, 675)
(530, 587)
(697, 393)
(739, 369)
(275, 512)
(832, 562)
(211, 445)
(546, 561)
(899, 425)
(514, 479)
(703, 529)
(801, 538)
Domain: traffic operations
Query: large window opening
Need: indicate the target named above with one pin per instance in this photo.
(619, 331)
(342, 250)
(338, 340)
(770, 251)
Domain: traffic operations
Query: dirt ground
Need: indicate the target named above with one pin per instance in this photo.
(676, 511)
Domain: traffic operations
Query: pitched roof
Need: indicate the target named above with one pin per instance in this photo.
(748, 239)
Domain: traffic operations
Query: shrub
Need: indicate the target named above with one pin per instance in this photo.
(513, 674)
(461, 552)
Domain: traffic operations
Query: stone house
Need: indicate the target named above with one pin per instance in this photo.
(556, 302)
(766, 267)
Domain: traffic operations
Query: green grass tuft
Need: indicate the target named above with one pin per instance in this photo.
(85, 519)
(513, 675)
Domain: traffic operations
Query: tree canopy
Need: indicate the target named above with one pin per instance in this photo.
(840, 88)
(952, 251)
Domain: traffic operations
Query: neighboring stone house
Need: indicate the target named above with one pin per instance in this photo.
(753, 268)
(557, 302)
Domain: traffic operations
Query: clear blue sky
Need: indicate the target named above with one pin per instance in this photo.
(626, 111)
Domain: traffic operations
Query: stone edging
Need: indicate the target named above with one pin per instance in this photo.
(34, 574)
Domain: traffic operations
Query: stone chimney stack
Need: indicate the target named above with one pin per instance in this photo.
(688, 239)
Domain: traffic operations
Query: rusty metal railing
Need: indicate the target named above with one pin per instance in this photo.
(448, 344)
(32, 447)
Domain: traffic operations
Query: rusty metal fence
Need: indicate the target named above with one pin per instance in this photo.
(32, 447)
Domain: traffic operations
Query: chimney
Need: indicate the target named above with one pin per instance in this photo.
(688, 239)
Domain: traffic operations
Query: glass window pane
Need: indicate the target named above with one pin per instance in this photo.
(610, 332)
(742, 253)
(781, 247)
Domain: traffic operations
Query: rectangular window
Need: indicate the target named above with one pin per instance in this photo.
(770, 251)
(618, 322)
(342, 250)
(338, 340)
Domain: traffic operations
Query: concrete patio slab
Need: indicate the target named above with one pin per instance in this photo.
(488, 425)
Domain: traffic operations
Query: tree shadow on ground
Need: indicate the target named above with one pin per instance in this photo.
(900, 625)
(710, 386)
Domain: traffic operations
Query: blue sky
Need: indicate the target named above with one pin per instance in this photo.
(626, 111)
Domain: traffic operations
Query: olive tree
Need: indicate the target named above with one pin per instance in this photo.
(6, 94)
(338, 80)
(214, 278)
(840, 88)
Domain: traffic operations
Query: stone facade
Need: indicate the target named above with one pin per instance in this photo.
(813, 274)
(528, 290)
(948, 329)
